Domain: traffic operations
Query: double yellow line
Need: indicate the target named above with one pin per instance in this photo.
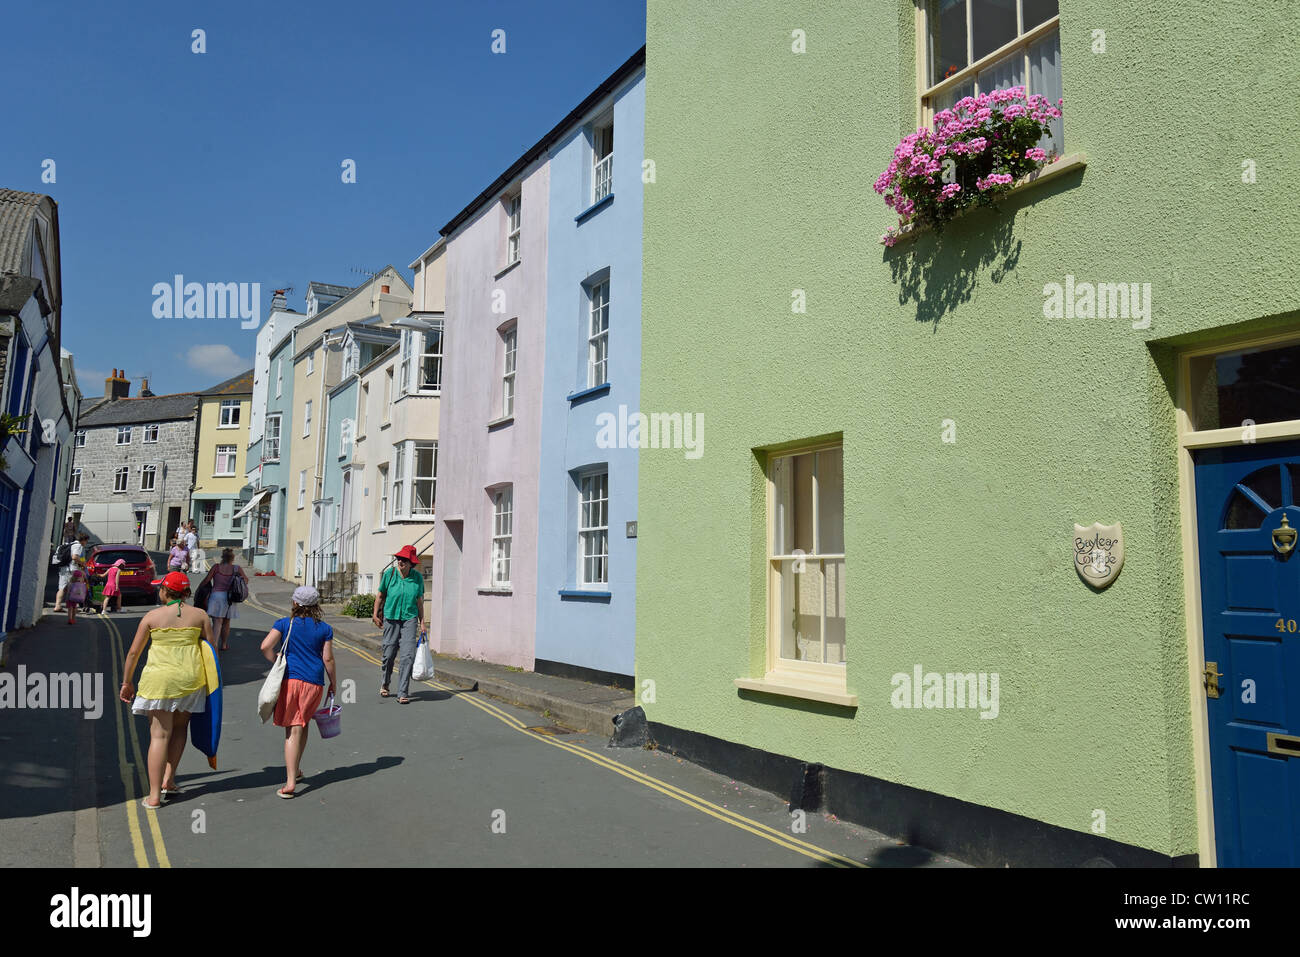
(780, 838)
(134, 778)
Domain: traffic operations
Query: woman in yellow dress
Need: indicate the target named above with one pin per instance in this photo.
(173, 684)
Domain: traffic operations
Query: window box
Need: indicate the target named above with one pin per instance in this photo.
(595, 390)
(976, 152)
(594, 208)
(1066, 164)
(585, 594)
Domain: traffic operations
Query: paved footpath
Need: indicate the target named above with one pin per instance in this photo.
(454, 778)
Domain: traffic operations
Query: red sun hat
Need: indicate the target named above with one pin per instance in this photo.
(173, 581)
(408, 552)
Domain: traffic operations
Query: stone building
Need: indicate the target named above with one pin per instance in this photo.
(133, 465)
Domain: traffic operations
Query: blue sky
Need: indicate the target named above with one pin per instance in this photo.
(225, 166)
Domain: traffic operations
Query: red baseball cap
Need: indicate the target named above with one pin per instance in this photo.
(173, 581)
(408, 552)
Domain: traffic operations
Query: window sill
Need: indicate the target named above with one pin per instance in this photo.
(594, 208)
(497, 423)
(507, 269)
(595, 390)
(235, 426)
(379, 531)
(789, 686)
(1066, 164)
(496, 590)
(585, 594)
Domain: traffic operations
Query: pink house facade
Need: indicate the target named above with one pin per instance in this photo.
(484, 574)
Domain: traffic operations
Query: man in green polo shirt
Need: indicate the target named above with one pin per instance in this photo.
(401, 599)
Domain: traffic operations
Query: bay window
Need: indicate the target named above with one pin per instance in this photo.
(271, 445)
(415, 475)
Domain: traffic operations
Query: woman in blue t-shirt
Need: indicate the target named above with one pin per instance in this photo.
(309, 658)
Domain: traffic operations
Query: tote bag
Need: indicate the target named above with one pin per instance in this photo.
(270, 692)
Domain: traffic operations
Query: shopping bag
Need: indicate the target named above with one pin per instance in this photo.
(423, 660)
(270, 692)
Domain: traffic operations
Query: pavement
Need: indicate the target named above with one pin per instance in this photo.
(577, 705)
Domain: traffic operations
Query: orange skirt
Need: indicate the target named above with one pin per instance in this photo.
(298, 702)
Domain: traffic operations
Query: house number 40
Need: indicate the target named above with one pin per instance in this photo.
(1287, 625)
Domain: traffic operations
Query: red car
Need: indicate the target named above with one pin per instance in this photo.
(135, 577)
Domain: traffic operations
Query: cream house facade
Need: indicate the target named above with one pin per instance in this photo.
(395, 457)
(317, 367)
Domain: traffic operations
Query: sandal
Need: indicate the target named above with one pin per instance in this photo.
(281, 792)
(403, 700)
(167, 791)
(383, 691)
(144, 803)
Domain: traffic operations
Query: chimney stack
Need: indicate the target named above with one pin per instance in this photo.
(278, 302)
(144, 388)
(117, 386)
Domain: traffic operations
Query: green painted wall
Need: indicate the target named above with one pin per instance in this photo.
(958, 554)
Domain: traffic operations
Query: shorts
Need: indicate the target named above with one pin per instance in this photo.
(298, 702)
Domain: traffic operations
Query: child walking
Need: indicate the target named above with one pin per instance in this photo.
(111, 587)
(78, 590)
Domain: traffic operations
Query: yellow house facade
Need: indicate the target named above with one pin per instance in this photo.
(219, 483)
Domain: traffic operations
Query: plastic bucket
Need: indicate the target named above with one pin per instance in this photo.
(329, 720)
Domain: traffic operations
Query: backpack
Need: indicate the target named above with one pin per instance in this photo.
(64, 555)
(236, 591)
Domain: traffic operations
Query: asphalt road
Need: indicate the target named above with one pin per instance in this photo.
(454, 778)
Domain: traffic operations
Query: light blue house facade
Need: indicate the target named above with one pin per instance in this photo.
(588, 471)
(273, 452)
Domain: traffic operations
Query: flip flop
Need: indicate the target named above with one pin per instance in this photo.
(281, 792)
(299, 777)
(403, 700)
(167, 791)
(144, 803)
(383, 692)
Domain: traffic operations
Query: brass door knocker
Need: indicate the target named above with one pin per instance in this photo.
(1284, 537)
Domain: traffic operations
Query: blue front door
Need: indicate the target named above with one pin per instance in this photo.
(1250, 595)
